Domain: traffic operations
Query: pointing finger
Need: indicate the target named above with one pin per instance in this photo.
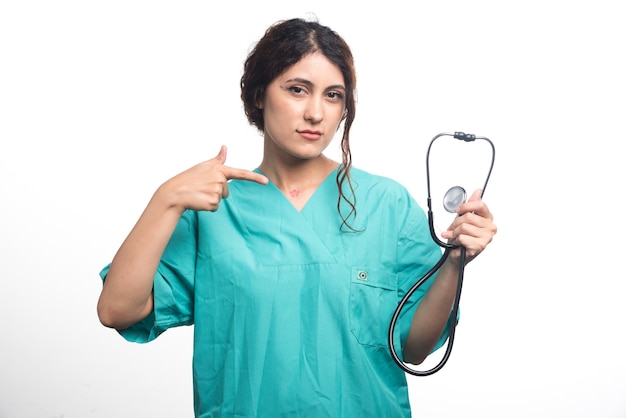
(241, 174)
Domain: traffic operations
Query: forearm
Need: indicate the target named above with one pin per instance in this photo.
(126, 296)
(432, 315)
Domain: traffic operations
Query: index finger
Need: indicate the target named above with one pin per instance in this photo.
(478, 207)
(241, 174)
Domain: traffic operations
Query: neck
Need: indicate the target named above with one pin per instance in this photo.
(297, 177)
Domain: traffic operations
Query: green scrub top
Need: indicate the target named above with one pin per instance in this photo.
(290, 310)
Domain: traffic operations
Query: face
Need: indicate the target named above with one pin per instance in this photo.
(303, 107)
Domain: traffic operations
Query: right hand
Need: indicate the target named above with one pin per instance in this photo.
(203, 186)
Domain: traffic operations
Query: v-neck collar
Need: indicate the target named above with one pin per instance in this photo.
(323, 185)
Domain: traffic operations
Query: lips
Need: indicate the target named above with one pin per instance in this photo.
(310, 135)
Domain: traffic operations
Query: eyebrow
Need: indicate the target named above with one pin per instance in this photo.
(310, 84)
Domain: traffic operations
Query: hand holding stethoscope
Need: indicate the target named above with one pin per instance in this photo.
(472, 229)
(468, 234)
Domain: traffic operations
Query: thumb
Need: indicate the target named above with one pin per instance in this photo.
(221, 156)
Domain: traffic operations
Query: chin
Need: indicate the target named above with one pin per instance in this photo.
(307, 154)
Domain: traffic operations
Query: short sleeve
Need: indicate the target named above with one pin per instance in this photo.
(173, 284)
(417, 255)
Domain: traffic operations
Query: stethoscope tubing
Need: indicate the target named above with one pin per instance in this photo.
(447, 249)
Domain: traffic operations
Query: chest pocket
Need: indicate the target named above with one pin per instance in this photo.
(373, 299)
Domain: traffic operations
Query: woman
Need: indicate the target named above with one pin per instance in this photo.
(291, 272)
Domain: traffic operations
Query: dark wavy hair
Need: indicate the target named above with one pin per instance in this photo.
(283, 45)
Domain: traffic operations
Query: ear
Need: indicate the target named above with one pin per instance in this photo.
(259, 99)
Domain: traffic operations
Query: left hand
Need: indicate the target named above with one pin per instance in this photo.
(472, 229)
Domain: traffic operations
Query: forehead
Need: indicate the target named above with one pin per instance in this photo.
(315, 68)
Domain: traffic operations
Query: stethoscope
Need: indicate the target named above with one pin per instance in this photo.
(453, 198)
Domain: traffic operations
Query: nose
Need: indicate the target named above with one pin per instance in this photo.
(314, 111)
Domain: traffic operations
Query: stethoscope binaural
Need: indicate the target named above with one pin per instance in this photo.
(453, 198)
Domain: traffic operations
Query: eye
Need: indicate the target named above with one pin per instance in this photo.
(335, 95)
(297, 90)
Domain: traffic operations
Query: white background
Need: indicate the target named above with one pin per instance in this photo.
(101, 101)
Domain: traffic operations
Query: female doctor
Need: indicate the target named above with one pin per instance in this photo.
(290, 272)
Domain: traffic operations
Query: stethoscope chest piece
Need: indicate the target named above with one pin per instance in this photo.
(454, 198)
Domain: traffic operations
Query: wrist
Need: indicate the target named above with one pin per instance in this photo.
(165, 198)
